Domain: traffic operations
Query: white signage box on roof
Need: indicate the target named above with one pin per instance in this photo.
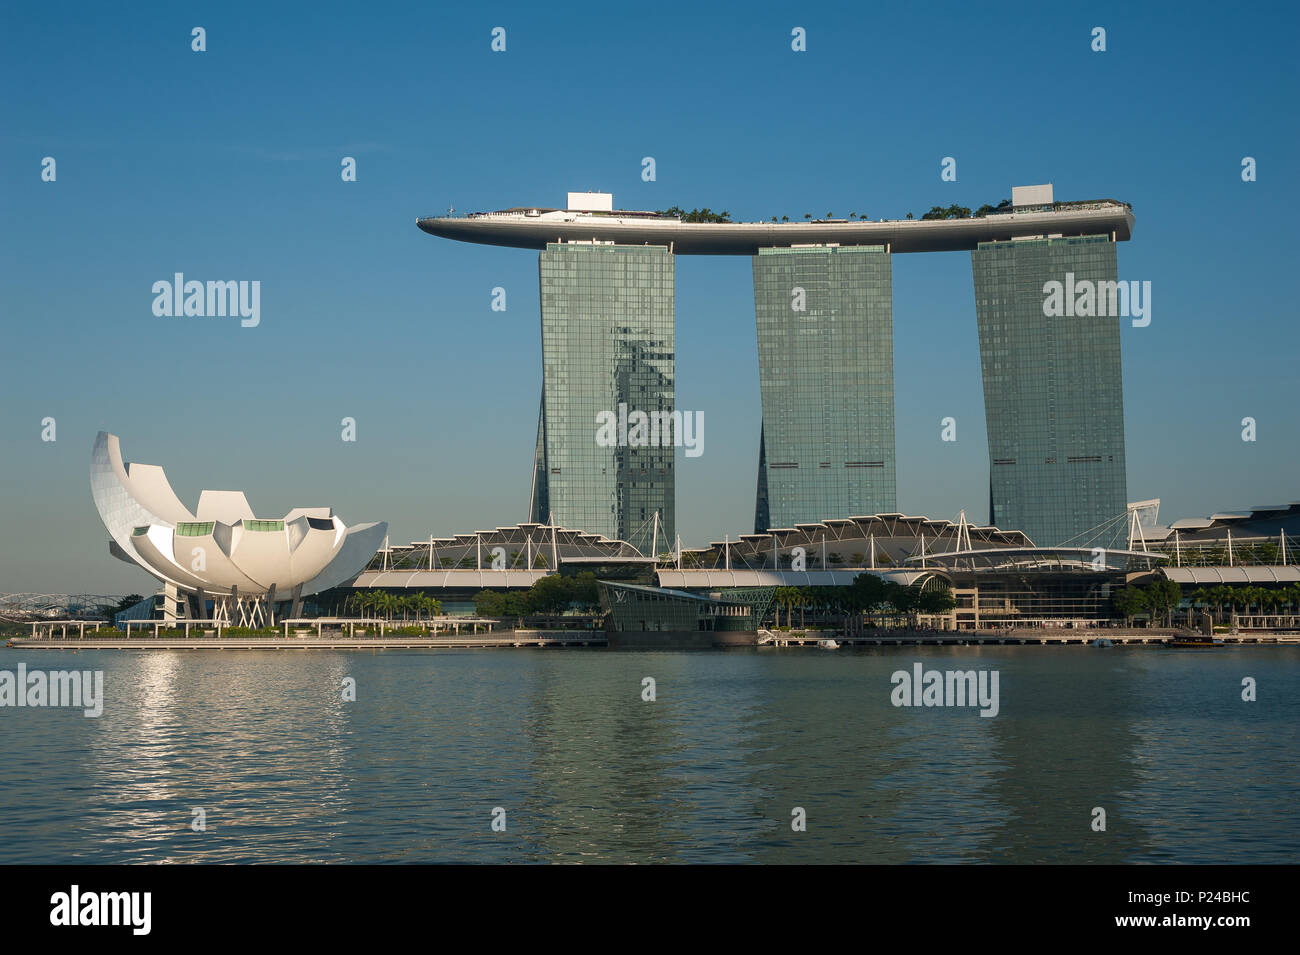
(595, 201)
(1031, 195)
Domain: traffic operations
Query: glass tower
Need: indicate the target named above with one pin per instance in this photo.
(1053, 391)
(607, 357)
(826, 376)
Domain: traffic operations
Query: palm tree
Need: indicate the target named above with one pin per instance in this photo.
(1216, 595)
(365, 600)
(1236, 597)
(785, 597)
(1249, 595)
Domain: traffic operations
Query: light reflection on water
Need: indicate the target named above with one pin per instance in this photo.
(288, 772)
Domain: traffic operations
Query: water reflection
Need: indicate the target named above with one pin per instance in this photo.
(286, 770)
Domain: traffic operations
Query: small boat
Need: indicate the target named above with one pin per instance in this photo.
(1102, 642)
(828, 645)
(1195, 642)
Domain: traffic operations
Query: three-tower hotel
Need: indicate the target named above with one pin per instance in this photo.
(823, 302)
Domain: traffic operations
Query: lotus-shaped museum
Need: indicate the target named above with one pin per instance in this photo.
(222, 552)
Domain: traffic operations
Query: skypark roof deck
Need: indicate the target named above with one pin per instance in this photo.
(534, 228)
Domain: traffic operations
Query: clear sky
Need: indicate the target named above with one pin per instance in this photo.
(225, 164)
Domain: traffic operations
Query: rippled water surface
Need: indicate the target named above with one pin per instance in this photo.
(286, 771)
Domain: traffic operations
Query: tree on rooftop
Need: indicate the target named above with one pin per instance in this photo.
(953, 211)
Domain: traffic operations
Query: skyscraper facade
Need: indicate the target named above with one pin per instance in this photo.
(607, 355)
(826, 377)
(1053, 388)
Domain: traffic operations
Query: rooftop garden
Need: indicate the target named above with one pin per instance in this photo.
(936, 212)
(695, 215)
(954, 211)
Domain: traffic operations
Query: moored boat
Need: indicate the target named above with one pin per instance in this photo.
(1194, 642)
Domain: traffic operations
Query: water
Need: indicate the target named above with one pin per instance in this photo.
(286, 771)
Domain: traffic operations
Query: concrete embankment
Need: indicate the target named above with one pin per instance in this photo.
(1155, 637)
(390, 641)
(503, 639)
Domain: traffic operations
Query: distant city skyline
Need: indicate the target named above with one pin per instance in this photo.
(225, 166)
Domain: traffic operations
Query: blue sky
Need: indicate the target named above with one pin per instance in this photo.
(225, 165)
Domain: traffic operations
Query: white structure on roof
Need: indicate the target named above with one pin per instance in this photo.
(1032, 195)
(591, 202)
(222, 551)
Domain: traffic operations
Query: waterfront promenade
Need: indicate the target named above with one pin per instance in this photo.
(60, 637)
(339, 641)
(1155, 637)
